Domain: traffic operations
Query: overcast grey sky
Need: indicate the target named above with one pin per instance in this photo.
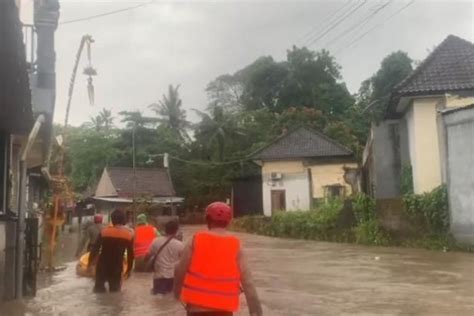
(139, 52)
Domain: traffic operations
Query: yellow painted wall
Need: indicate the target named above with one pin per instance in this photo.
(283, 167)
(424, 145)
(453, 100)
(329, 174)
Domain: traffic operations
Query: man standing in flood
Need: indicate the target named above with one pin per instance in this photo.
(111, 246)
(213, 270)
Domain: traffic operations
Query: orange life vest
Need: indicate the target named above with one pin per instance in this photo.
(144, 236)
(213, 278)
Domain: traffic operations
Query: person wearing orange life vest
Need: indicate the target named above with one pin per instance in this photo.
(213, 269)
(144, 236)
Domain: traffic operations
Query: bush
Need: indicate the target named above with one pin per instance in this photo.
(364, 208)
(369, 232)
(320, 224)
(430, 210)
(406, 180)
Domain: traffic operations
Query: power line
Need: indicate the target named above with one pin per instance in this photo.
(374, 27)
(359, 24)
(316, 29)
(315, 40)
(107, 13)
(331, 21)
(210, 163)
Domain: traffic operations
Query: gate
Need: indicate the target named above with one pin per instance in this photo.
(460, 171)
(32, 256)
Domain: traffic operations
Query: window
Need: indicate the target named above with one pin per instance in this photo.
(333, 191)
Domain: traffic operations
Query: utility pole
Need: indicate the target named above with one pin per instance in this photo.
(134, 207)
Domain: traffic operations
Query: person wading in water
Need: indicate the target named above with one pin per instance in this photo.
(144, 236)
(213, 269)
(162, 258)
(90, 234)
(111, 246)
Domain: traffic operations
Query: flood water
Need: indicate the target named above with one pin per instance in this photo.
(293, 277)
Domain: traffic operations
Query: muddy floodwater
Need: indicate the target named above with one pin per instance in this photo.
(293, 277)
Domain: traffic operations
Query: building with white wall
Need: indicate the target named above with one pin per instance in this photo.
(302, 167)
(413, 134)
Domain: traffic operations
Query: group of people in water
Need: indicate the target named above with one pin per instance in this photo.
(207, 273)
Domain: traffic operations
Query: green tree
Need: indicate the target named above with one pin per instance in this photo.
(375, 91)
(171, 114)
(95, 122)
(106, 118)
(88, 152)
(305, 79)
(137, 120)
(217, 130)
(226, 92)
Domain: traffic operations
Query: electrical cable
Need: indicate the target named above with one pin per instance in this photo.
(315, 40)
(210, 163)
(374, 27)
(107, 13)
(318, 28)
(359, 24)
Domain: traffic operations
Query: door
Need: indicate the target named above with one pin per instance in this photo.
(278, 200)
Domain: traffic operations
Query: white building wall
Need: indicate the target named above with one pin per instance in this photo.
(297, 191)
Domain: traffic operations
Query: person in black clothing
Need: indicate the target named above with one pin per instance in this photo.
(110, 248)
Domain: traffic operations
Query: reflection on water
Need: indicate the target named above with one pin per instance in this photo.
(68, 294)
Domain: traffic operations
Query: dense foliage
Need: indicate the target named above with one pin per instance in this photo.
(327, 223)
(322, 223)
(430, 210)
(246, 110)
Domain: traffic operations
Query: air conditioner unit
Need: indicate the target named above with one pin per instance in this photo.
(276, 176)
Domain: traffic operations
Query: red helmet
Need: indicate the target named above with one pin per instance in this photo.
(219, 211)
(98, 219)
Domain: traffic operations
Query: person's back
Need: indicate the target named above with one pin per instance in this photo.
(144, 236)
(212, 269)
(165, 262)
(111, 246)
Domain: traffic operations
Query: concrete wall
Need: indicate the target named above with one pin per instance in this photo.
(386, 159)
(295, 182)
(329, 174)
(460, 172)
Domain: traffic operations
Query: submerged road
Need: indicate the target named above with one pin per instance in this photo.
(293, 277)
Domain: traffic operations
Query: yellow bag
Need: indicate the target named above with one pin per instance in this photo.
(81, 267)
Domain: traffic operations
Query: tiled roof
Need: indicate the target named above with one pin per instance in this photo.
(449, 67)
(149, 181)
(302, 142)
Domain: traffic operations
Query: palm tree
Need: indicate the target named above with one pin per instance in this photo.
(217, 129)
(137, 120)
(171, 114)
(107, 118)
(95, 122)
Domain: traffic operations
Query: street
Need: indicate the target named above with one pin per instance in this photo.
(294, 277)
